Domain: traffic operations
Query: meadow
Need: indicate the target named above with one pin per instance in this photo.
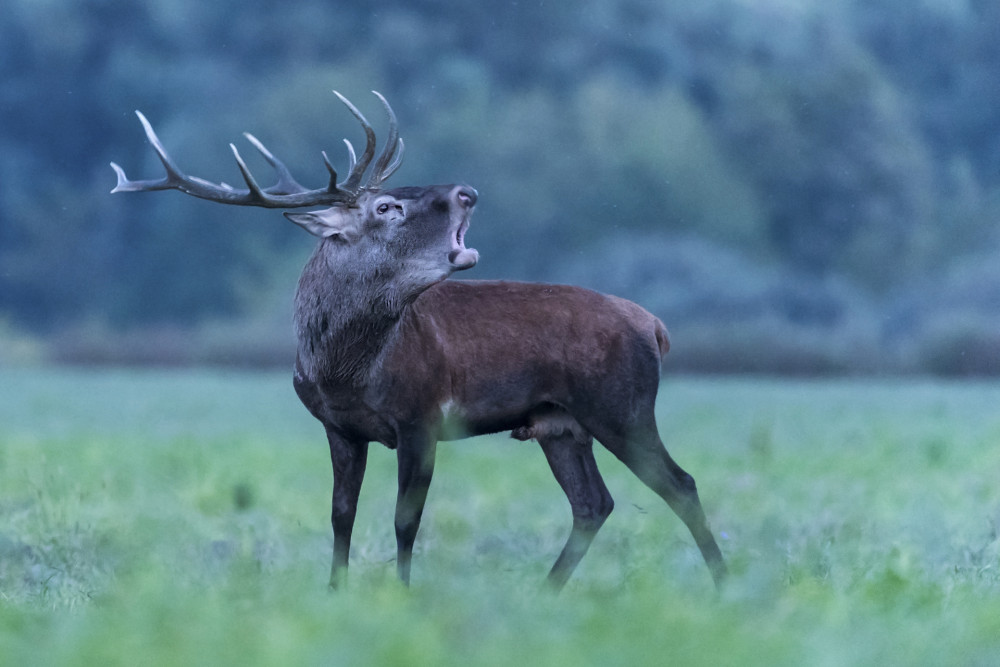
(168, 517)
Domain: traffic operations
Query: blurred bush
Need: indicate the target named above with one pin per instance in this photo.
(728, 314)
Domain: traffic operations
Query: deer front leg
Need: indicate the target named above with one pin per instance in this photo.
(349, 460)
(415, 458)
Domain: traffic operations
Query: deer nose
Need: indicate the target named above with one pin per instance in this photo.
(467, 196)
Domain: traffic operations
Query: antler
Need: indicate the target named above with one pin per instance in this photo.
(286, 193)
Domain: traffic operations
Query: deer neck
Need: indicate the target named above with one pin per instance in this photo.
(346, 313)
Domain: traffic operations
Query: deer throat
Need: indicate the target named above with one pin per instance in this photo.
(341, 341)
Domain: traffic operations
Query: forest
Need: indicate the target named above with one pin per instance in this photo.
(793, 186)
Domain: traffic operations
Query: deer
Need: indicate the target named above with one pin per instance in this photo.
(391, 352)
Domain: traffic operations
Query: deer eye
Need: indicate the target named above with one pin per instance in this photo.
(382, 208)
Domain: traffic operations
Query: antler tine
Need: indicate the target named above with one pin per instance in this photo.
(353, 182)
(171, 180)
(391, 169)
(380, 173)
(351, 155)
(255, 190)
(329, 168)
(286, 184)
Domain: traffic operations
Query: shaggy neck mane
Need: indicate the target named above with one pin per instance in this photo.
(345, 315)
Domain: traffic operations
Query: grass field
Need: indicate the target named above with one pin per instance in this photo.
(180, 518)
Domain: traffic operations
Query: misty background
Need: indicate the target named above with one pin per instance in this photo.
(793, 186)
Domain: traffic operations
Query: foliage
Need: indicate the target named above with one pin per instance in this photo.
(845, 142)
(181, 518)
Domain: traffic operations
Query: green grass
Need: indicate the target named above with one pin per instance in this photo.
(168, 518)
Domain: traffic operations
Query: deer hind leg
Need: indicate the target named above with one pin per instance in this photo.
(642, 451)
(570, 453)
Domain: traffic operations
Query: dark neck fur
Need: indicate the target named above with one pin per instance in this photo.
(345, 314)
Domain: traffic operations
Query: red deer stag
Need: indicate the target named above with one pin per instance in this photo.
(390, 352)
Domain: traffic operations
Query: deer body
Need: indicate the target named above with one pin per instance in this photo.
(476, 357)
(389, 352)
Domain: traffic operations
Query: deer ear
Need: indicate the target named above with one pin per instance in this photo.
(330, 222)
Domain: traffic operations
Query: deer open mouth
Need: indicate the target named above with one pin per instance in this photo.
(460, 256)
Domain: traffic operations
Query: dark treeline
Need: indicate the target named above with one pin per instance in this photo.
(792, 186)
